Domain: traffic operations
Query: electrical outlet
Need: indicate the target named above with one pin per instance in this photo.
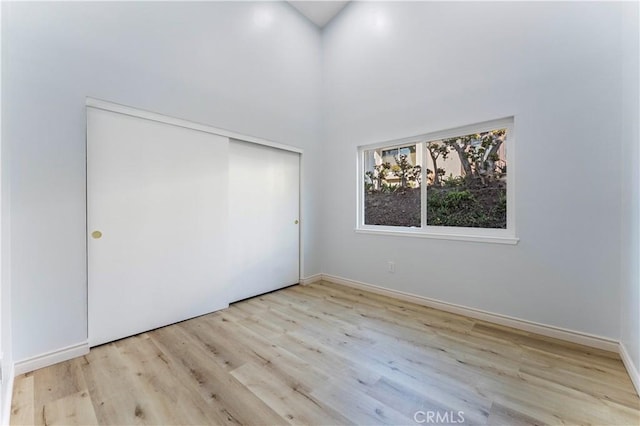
(391, 267)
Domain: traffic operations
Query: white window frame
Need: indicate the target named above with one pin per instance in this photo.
(487, 235)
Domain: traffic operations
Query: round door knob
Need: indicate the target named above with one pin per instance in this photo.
(296, 222)
(96, 235)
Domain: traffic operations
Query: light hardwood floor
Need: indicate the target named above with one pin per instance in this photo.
(322, 355)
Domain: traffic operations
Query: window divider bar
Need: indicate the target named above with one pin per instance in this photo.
(423, 186)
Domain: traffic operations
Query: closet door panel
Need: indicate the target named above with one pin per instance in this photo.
(157, 217)
(264, 209)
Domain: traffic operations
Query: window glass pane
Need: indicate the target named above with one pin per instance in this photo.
(467, 181)
(392, 186)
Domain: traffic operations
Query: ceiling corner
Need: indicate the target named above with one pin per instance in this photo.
(319, 12)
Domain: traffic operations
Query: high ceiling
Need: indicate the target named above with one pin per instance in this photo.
(319, 12)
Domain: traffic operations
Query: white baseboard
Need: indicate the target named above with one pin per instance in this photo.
(50, 358)
(311, 279)
(631, 367)
(7, 396)
(520, 324)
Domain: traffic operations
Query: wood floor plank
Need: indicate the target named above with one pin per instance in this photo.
(263, 352)
(359, 407)
(501, 415)
(593, 383)
(112, 383)
(294, 404)
(226, 397)
(75, 409)
(56, 382)
(418, 405)
(325, 354)
(23, 403)
(160, 400)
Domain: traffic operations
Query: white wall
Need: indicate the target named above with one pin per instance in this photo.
(5, 246)
(630, 321)
(249, 67)
(394, 70)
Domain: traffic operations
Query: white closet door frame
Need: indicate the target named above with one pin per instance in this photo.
(134, 112)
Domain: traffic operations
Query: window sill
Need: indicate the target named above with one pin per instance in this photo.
(443, 236)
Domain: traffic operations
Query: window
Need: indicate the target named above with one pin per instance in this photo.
(451, 184)
(392, 190)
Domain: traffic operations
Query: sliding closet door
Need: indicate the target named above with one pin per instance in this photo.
(264, 209)
(157, 200)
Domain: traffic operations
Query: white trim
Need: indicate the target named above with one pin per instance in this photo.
(153, 116)
(394, 144)
(483, 126)
(632, 370)
(360, 188)
(423, 185)
(310, 280)
(439, 236)
(301, 214)
(49, 358)
(8, 397)
(517, 323)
